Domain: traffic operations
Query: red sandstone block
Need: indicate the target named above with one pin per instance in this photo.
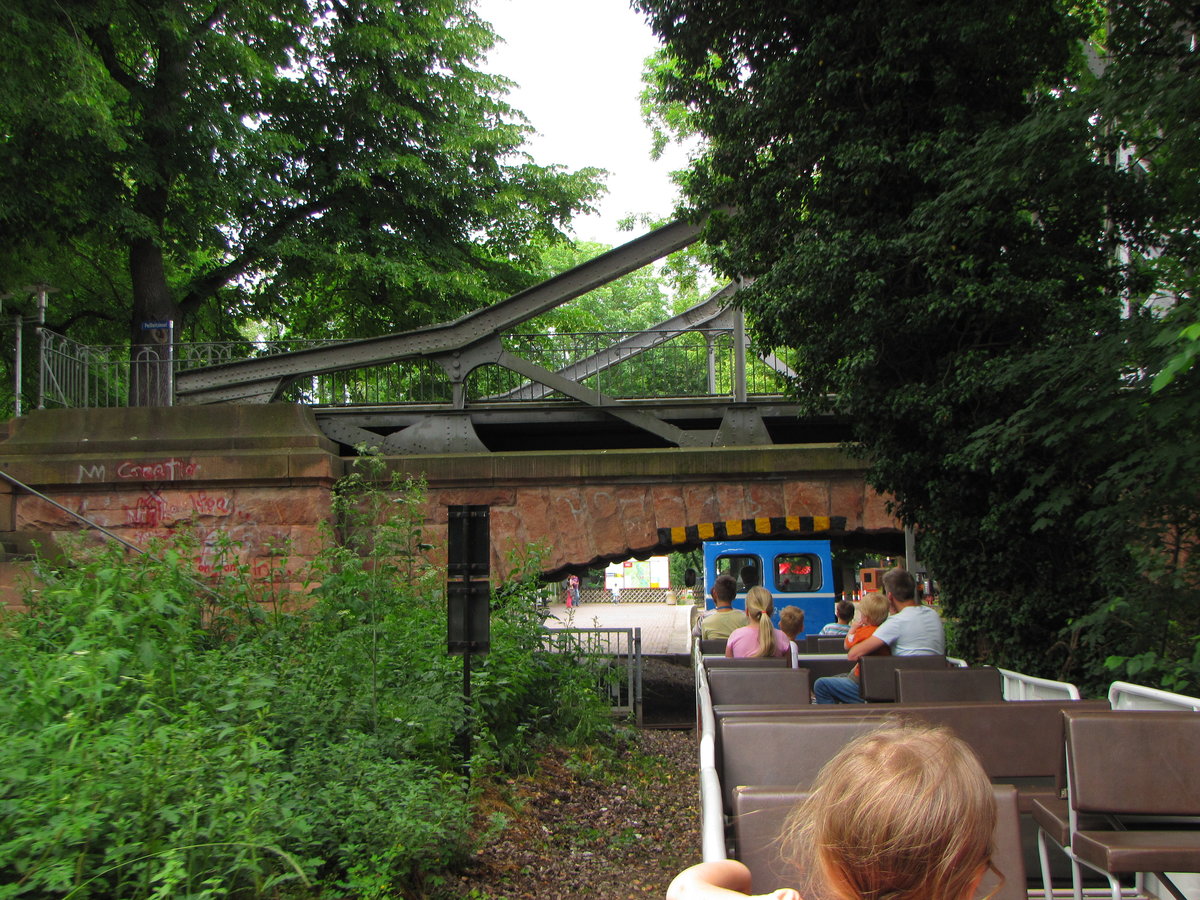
(808, 498)
(765, 500)
(875, 514)
(846, 499)
(701, 504)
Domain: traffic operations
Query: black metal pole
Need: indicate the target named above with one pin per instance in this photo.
(464, 738)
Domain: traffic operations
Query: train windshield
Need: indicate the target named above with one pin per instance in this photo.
(744, 569)
(797, 573)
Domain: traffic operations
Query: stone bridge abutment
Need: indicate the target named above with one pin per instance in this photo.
(262, 476)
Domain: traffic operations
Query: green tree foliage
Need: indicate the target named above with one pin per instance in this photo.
(630, 303)
(344, 168)
(928, 203)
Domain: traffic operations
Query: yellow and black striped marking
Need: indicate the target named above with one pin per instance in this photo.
(762, 527)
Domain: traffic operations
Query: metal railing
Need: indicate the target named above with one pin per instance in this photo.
(614, 653)
(1019, 686)
(622, 365)
(79, 376)
(1123, 695)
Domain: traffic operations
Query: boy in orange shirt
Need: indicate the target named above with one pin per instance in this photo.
(872, 611)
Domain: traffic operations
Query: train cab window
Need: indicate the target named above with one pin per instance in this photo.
(744, 569)
(797, 573)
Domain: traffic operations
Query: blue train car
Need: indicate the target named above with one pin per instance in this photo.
(796, 572)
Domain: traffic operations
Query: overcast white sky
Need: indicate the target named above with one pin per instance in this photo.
(578, 64)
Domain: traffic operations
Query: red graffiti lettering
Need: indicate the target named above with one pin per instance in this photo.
(148, 512)
(210, 506)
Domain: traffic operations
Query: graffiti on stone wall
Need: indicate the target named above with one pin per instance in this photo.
(172, 469)
(157, 515)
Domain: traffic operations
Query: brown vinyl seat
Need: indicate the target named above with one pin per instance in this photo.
(952, 684)
(721, 662)
(1133, 796)
(877, 674)
(1017, 743)
(713, 646)
(831, 643)
(823, 664)
(787, 755)
(771, 685)
(760, 813)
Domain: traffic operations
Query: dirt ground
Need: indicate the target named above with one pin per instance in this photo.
(609, 826)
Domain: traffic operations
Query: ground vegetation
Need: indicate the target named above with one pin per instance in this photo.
(166, 737)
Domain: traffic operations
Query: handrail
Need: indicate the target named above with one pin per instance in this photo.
(712, 807)
(1124, 695)
(1019, 686)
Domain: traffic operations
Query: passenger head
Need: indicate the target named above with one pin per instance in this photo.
(791, 621)
(873, 608)
(844, 611)
(749, 576)
(900, 584)
(905, 812)
(760, 606)
(724, 589)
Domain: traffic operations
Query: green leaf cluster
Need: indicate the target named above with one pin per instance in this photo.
(326, 168)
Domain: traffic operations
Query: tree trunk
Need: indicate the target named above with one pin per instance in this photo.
(155, 315)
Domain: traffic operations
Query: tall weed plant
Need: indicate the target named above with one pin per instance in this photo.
(159, 739)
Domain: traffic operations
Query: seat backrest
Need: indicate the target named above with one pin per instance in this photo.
(1012, 739)
(721, 662)
(877, 674)
(950, 684)
(711, 646)
(831, 643)
(760, 813)
(1152, 750)
(783, 753)
(823, 664)
(810, 643)
(759, 685)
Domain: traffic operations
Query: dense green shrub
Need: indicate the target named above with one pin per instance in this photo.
(157, 741)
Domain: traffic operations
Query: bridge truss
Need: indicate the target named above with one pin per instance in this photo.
(476, 384)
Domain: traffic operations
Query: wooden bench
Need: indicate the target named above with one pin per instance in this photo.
(760, 812)
(780, 753)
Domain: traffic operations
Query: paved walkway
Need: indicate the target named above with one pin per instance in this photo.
(666, 630)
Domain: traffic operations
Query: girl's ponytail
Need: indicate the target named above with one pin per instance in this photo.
(760, 605)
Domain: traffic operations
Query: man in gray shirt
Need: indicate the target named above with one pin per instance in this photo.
(910, 630)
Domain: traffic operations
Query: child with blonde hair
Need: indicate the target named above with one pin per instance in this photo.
(760, 638)
(905, 812)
